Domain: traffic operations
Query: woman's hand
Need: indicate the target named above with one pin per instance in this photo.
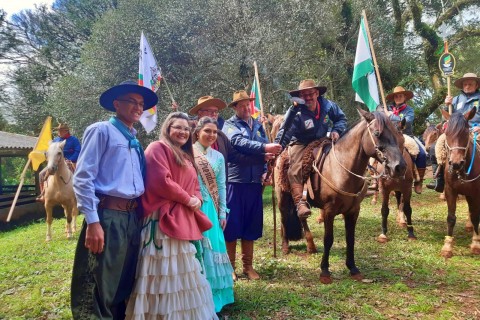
(195, 203)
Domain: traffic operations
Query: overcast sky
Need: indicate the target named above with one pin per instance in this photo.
(14, 6)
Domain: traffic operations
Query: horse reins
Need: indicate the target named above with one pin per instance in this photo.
(365, 179)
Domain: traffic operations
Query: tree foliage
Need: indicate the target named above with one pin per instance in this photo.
(65, 57)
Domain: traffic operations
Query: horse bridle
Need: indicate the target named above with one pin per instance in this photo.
(380, 155)
(56, 168)
(450, 169)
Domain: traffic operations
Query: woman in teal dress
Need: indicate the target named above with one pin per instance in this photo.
(211, 175)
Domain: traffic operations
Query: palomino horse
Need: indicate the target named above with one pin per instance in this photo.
(59, 189)
(339, 185)
(459, 179)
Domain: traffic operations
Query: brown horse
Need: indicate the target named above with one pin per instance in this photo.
(460, 155)
(59, 189)
(431, 134)
(339, 185)
(402, 186)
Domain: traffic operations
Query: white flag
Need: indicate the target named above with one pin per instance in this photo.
(149, 76)
(364, 81)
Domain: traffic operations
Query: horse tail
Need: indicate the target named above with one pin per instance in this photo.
(292, 226)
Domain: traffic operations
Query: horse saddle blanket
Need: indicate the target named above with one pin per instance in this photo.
(317, 149)
(411, 145)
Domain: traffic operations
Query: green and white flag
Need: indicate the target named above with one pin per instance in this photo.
(364, 81)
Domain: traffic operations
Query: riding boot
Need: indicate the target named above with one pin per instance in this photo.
(40, 197)
(303, 211)
(418, 184)
(232, 252)
(438, 184)
(247, 259)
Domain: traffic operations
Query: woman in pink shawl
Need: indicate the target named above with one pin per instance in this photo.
(169, 283)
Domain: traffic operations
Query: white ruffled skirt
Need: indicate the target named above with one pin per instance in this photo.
(169, 283)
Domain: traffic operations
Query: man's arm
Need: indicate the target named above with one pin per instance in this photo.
(338, 118)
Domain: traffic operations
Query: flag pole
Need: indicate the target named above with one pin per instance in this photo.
(22, 176)
(168, 89)
(445, 43)
(377, 72)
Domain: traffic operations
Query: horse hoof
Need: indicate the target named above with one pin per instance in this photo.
(48, 239)
(475, 249)
(312, 250)
(320, 219)
(382, 238)
(412, 238)
(357, 277)
(446, 254)
(285, 251)
(441, 196)
(402, 224)
(325, 279)
(469, 229)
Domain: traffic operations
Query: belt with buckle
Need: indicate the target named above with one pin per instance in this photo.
(116, 203)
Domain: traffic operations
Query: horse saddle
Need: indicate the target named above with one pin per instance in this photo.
(316, 150)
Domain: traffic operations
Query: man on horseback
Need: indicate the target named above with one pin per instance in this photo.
(468, 98)
(108, 181)
(399, 111)
(311, 121)
(71, 150)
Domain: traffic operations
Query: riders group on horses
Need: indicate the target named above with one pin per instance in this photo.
(109, 200)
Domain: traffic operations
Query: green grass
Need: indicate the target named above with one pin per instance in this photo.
(407, 279)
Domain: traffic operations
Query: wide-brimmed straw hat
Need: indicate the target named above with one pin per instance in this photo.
(239, 96)
(306, 85)
(150, 99)
(467, 76)
(397, 90)
(62, 126)
(208, 101)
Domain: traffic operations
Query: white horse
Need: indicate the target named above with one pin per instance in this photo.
(59, 189)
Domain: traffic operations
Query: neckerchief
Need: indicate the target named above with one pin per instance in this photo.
(67, 136)
(208, 175)
(133, 142)
(396, 110)
(317, 111)
(215, 145)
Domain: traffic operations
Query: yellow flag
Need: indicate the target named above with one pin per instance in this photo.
(37, 156)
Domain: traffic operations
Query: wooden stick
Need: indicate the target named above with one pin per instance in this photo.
(377, 72)
(274, 205)
(450, 110)
(22, 177)
(168, 89)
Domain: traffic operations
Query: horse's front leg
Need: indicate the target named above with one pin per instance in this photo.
(311, 248)
(474, 218)
(382, 238)
(325, 276)
(400, 210)
(74, 218)
(407, 209)
(350, 223)
(68, 210)
(49, 220)
(447, 249)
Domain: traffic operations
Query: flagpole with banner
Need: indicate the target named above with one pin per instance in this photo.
(446, 63)
(149, 76)
(36, 157)
(364, 81)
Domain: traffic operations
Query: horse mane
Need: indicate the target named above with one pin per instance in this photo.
(456, 123)
(379, 116)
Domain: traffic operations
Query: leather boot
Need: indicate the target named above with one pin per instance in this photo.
(247, 259)
(418, 184)
(438, 184)
(232, 252)
(303, 211)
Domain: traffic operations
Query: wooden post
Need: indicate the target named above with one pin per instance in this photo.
(445, 43)
(377, 72)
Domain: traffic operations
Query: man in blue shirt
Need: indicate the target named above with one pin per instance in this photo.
(468, 98)
(312, 121)
(244, 190)
(71, 150)
(107, 182)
